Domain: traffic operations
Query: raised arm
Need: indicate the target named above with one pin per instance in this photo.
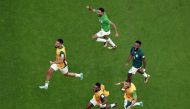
(90, 8)
(119, 83)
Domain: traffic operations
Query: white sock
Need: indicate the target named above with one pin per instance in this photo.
(101, 40)
(77, 75)
(145, 75)
(111, 42)
(137, 104)
(112, 105)
(46, 83)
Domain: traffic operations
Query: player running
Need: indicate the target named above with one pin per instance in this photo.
(100, 98)
(139, 63)
(59, 64)
(102, 35)
(130, 95)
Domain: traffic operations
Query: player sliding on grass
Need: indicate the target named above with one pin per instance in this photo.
(130, 95)
(100, 98)
(102, 35)
(138, 60)
(59, 64)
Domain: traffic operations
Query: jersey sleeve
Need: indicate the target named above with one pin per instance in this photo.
(62, 54)
(142, 55)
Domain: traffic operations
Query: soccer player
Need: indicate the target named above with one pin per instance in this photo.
(139, 62)
(130, 95)
(102, 35)
(100, 98)
(59, 64)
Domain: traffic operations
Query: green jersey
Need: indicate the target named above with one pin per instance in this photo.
(105, 22)
(138, 56)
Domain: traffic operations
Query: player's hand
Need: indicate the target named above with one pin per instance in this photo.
(116, 34)
(127, 64)
(51, 62)
(88, 7)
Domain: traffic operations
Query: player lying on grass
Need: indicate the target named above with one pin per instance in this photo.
(103, 34)
(130, 95)
(139, 62)
(59, 64)
(100, 98)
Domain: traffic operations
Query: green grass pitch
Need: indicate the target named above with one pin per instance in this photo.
(29, 28)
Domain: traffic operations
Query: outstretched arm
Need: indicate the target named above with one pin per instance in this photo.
(115, 28)
(119, 83)
(90, 8)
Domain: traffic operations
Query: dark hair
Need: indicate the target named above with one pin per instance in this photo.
(138, 41)
(101, 9)
(60, 41)
(129, 81)
(98, 84)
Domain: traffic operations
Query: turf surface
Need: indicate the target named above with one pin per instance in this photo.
(29, 28)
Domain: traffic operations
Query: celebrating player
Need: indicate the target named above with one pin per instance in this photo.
(139, 63)
(100, 98)
(102, 35)
(59, 64)
(130, 95)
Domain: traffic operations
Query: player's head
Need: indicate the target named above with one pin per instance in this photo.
(137, 44)
(127, 84)
(100, 11)
(96, 87)
(58, 43)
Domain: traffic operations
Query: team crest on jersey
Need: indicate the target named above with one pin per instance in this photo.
(136, 55)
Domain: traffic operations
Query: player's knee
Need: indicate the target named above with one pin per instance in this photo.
(94, 37)
(66, 74)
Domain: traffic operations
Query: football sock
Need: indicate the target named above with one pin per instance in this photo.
(77, 75)
(100, 40)
(46, 83)
(112, 105)
(111, 42)
(145, 75)
(137, 104)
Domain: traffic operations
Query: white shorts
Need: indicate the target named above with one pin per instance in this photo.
(102, 33)
(133, 70)
(63, 70)
(126, 104)
(93, 101)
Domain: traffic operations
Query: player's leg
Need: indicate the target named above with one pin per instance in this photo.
(131, 72)
(66, 72)
(110, 106)
(127, 104)
(48, 76)
(138, 104)
(91, 104)
(111, 43)
(146, 76)
(99, 37)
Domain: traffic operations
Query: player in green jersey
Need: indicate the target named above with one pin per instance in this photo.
(102, 35)
(139, 62)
